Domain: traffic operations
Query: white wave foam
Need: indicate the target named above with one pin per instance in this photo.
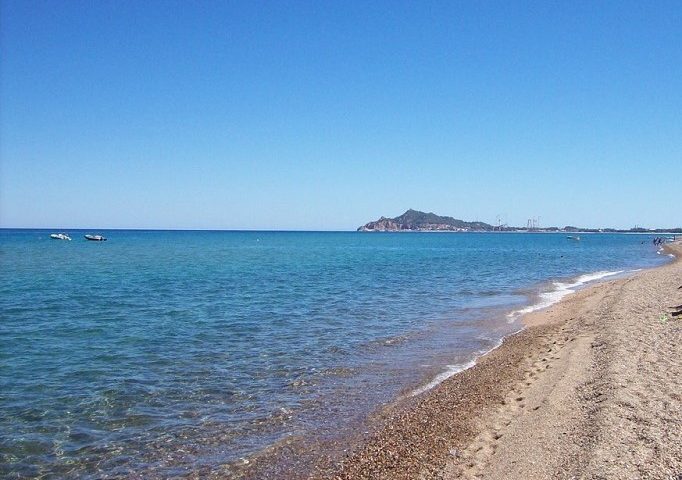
(450, 371)
(441, 377)
(561, 289)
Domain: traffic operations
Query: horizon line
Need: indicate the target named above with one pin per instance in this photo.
(245, 230)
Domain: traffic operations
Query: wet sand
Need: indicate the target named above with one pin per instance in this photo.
(591, 389)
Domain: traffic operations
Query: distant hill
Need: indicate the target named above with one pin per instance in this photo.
(416, 221)
(413, 220)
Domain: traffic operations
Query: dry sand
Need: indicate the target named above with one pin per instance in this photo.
(592, 389)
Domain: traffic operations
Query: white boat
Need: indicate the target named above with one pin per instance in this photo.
(571, 237)
(59, 236)
(95, 238)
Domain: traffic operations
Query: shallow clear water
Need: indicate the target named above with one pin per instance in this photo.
(167, 351)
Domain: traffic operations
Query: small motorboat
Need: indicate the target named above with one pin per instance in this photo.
(59, 236)
(571, 237)
(95, 238)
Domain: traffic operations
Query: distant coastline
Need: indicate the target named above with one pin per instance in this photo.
(416, 221)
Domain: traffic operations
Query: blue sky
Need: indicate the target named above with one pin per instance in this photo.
(325, 115)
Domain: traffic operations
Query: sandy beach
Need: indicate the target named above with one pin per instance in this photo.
(592, 388)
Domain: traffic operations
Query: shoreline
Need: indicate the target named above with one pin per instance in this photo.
(545, 300)
(296, 457)
(471, 425)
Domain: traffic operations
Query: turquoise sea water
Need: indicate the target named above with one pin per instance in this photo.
(158, 353)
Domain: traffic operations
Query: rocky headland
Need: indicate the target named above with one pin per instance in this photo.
(413, 220)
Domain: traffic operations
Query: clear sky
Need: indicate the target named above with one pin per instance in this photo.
(328, 114)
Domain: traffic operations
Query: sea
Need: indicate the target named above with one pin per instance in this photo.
(157, 354)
